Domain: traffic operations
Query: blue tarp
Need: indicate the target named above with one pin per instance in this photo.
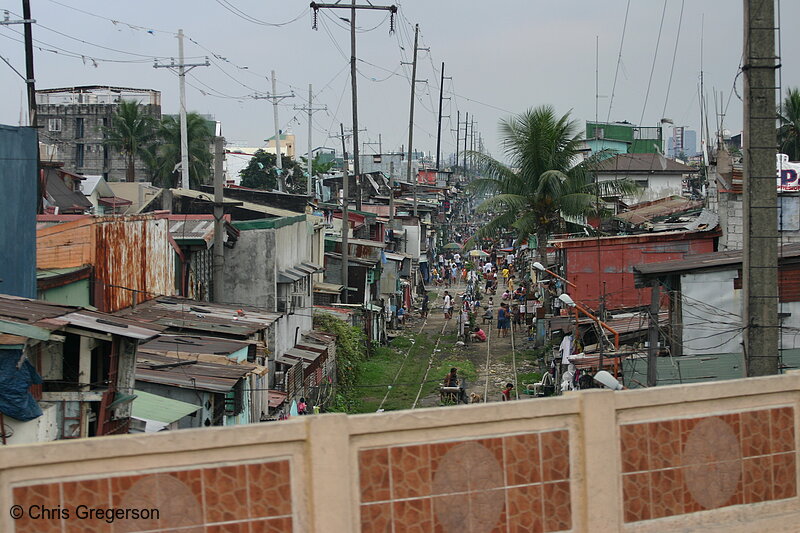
(15, 399)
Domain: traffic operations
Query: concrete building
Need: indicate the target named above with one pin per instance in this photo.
(287, 145)
(725, 197)
(656, 176)
(72, 119)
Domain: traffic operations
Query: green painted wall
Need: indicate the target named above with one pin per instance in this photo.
(76, 293)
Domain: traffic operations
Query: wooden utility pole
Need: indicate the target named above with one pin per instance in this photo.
(439, 128)
(411, 118)
(652, 335)
(345, 219)
(760, 262)
(353, 7)
(219, 227)
(30, 80)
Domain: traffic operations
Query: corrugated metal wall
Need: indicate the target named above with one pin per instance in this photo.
(19, 178)
(132, 256)
(133, 259)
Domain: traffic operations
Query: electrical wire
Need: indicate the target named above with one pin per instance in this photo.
(249, 18)
(674, 56)
(653, 66)
(619, 60)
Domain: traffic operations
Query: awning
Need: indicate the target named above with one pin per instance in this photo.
(395, 256)
(114, 201)
(276, 397)
(290, 275)
(327, 288)
(148, 406)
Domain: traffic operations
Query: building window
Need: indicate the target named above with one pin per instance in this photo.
(642, 183)
(79, 152)
(79, 128)
(54, 124)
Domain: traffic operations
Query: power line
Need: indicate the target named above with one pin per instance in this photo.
(653, 66)
(249, 18)
(619, 60)
(674, 55)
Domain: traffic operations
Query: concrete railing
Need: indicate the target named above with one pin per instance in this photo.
(714, 456)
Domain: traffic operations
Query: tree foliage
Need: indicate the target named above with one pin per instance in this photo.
(262, 172)
(165, 155)
(789, 130)
(131, 133)
(351, 352)
(136, 134)
(543, 184)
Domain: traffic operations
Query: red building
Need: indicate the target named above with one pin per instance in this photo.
(604, 265)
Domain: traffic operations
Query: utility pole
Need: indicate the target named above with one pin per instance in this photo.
(274, 97)
(439, 128)
(466, 136)
(310, 109)
(472, 146)
(353, 7)
(458, 136)
(182, 68)
(30, 85)
(391, 194)
(760, 198)
(411, 116)
(30, 82)
(219, 213)
(345, 220)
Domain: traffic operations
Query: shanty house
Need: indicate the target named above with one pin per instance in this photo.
(70, 369)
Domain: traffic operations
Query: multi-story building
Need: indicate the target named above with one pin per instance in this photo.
(72, 121)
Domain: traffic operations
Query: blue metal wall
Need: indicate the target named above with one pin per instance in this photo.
(18, 191)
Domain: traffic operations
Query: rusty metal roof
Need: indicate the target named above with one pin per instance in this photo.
(51, 317)
(131, 329)
(187, 344)
(661, 208)
(187, 373)
(181, 314)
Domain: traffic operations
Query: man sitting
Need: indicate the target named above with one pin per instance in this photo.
(478, 335)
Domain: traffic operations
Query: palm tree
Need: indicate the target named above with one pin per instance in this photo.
(131, 133)
(789, 131)
(164, 157)
(543, 184)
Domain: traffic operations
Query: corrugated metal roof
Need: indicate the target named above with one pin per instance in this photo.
(110, 324)
(189, 373)
(192, 230)
(192, 345)
(663, 207)
(182, 314)
(148, 406)
(250, 206)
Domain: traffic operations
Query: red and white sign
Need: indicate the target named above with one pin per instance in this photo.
(788, 174)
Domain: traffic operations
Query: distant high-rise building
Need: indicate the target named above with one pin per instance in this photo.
(683, 141)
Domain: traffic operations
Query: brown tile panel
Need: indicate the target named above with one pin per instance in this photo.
(492, 484)
(194, 500)
(674, 467)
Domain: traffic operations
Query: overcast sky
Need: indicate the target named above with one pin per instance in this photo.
(503, 56)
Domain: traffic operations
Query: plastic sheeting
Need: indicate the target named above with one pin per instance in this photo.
(15, 379)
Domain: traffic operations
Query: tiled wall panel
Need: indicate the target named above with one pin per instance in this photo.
(674, 467)
(516, 483)
(245, 498)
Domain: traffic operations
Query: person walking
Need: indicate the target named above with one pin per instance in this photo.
(448, 306)
(424, 310)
